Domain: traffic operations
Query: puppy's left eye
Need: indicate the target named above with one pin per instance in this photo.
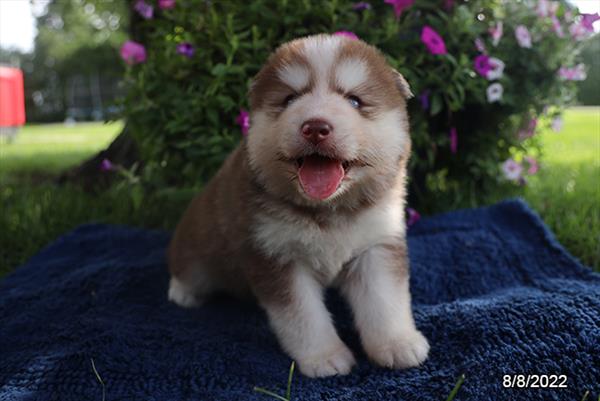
(354, 101)
(289, 99)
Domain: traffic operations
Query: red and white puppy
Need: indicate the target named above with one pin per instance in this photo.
(313, 198)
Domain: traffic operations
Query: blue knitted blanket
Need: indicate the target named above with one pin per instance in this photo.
(493, 291)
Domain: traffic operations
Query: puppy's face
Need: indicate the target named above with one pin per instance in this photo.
(328, 122)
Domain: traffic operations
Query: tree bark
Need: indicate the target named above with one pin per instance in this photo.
(123, 151)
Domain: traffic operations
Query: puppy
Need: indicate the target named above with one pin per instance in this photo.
(314, 197)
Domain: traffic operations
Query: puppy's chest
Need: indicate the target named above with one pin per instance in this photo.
(325, 249)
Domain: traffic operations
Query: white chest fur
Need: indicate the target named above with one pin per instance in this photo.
(325, 250)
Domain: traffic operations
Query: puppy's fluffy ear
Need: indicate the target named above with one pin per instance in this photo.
(402, 85)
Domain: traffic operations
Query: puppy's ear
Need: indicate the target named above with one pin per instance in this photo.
(402, 85)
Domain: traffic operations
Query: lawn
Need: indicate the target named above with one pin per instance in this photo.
(566, 191)
(49, 148)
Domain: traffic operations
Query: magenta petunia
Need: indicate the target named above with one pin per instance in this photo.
(399, 5)
(578, 31)
(482, 65)
(133, 52)
(361, 5)
(496, 33)
(587, 21)
(413, 216)
(533, 165)
(186, 49)
(434, 42)
(479, 45)
(556, 27)
(453, 140)
(529, 131)
(576, 73)
(243, 120)
(523, 36)
(144, 9)
(347, 34)
(166, 4)
(106, 165)
(546, 8)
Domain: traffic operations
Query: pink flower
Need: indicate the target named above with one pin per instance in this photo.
(479, 45)
(448, 4)
(243, 120)
(557, 124)
(588, 20)
(556, 27)
(144, 9)
(497, 68)
(576, 73)
(361, 5)
(523, 36)
(186, 49)
(496, 33)
(347, 34)
(482, 65)
(529, 131)
(512, 170)
(533, 165)
(166, 4)
(133, 52)
(106, 165)
(413, 216)
(578, 31)
(453, 140)
(434, 42)
(546, 8)
(399, 5)
(494, 92)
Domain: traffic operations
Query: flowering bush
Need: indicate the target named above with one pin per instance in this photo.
(486, 75)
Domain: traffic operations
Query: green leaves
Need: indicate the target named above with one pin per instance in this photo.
(183, 110)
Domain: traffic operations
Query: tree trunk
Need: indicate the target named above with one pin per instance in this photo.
(123, 151)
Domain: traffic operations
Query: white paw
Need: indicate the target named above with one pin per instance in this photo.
(339, 361)
(181, 295)
(404, 350)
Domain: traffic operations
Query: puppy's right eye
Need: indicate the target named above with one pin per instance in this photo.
(289, 99)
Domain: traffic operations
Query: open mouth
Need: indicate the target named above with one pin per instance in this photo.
(321, 176)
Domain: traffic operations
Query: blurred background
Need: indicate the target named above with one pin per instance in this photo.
(88, 150)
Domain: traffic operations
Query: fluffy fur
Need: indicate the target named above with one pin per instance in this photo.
(256, 231)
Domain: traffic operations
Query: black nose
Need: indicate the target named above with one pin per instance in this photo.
(316, 130)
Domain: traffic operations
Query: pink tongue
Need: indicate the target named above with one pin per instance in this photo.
(320, 176)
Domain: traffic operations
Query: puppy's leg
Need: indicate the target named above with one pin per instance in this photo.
(293, 300)
(376, 285)
(189, 290)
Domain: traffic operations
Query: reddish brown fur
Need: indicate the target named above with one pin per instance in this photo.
(214, 232)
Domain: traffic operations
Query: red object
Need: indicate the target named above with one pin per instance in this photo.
(12, 99)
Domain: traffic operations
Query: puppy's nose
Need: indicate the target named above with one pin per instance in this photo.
(316, 131)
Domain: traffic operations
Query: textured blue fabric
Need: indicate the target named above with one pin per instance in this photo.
(492, 290)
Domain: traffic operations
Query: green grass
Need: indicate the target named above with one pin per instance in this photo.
(566, 191)
(35, 211)
(49, 148)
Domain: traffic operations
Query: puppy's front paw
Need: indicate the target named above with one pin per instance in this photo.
(404, 350)
(181, 295)
(338, 361)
